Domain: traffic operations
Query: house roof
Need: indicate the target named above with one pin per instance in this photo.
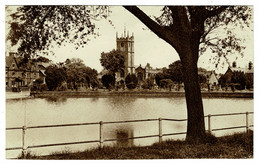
(8, 60)
(244, 70)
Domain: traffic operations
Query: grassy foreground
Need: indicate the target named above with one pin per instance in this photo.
(238, 145)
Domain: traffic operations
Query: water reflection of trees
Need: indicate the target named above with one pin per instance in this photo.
(56, 100)
(120, 102)
(121, 133)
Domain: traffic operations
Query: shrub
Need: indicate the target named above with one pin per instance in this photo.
(131, 81)
(148, 84)
(108, 80)
(166, 83)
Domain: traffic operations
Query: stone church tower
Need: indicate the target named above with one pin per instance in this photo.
(125, 44)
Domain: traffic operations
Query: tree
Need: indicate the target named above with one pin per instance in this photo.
(185, 28)
(77, 72)
(36, 28)
(131, 81)
(202, 78)
(148, 83)
(112, 61)
(188, 29)
(249, 81)
(166, 83)
(42, 59)
(160, 76)
(54, 77)
(239, 78)
(175, 71)
(108, 80)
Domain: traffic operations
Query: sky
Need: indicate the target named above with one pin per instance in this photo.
(149, 48)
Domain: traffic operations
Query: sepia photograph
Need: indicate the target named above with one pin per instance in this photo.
(113, 82)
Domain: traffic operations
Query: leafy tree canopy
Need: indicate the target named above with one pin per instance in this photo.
(112, 61)
(36, 28)
(131, 81)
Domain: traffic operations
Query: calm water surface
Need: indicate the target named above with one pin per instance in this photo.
(33, 112)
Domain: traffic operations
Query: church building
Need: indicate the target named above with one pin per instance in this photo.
(125, 43)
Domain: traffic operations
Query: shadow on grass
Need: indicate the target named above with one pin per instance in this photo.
(237, 145)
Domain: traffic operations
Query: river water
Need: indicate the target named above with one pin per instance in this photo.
(34, 112)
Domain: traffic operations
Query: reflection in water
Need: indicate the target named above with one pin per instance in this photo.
(122, 135)
(121, 102)
(56, 99)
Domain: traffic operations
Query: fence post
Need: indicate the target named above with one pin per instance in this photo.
(247, 125)
(209, 122)
(24, 151)
(101, 139)
(160, 130)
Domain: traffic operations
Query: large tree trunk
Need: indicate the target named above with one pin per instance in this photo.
(184, 36)
(196, 126)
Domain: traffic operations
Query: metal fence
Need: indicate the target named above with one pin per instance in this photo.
(101, 124)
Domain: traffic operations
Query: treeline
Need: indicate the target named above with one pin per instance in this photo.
(237, 80)
(71, 74)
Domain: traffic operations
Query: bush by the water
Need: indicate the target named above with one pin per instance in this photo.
(108, 80)
(148, 84)
(131, 81)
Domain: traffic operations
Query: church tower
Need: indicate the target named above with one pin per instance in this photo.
(125, 44)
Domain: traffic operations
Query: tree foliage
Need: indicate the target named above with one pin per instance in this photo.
(131, 81)
(112, 61)
(78, 72)
(148, 83)
(54, 77)
(108, 80)
(160, 76)
(37, 28)
(42, 59)
(72, 72)
(176, 71)
(166, 83)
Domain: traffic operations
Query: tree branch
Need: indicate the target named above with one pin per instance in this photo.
(160, 31)
(211, 13)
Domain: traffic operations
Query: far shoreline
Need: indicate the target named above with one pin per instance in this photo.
(142, 94)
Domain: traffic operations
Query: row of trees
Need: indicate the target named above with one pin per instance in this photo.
(174, 74)
(239, 80)
(70, 74)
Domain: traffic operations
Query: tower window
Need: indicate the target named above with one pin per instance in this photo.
(122, 44)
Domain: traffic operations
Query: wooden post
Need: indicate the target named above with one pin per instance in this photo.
(101, 139)
(209, 126)
(247, 124)
(24, 151)
(160, 130)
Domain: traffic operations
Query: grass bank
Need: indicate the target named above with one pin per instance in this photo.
(238, 145)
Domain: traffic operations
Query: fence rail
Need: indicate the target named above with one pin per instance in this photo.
(101, 127)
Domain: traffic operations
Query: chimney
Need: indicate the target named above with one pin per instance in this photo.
(250, 65)
(234, 64)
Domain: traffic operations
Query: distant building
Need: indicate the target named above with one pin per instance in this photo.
(125, 44)
(249, 70)
(146, 72)
(19, 74)
(213, 80)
